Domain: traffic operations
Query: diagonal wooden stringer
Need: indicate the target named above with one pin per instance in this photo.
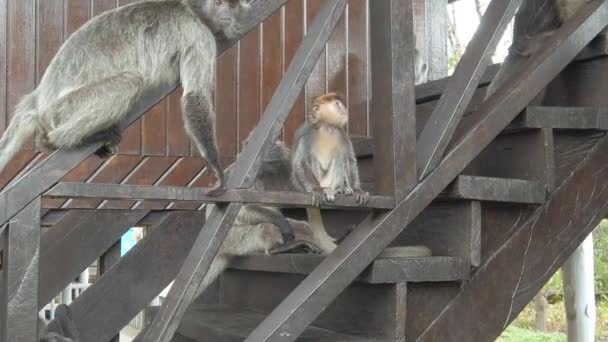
(360, 248)
(244, 173)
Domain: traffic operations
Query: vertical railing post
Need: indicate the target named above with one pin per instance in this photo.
(107, 260)
(20, 275)
(393, 103)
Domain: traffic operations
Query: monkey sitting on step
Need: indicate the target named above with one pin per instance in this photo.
(323, 161)
(109, 66)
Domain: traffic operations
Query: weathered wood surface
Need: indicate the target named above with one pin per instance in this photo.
(518, 268)
(20, 275)
(439, 129)
(496, 189)
(382, 270)
(59, 163)
(244, 173)
(231, 324)
(144, 192)
(447, 229)
(563, 118)
(358, 250)
(125, 289)
(393, 103)
(75, 242)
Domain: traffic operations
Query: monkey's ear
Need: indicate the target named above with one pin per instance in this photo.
(315, 109)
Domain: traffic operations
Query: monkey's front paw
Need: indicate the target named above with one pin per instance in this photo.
(345, 190)
(329, 195)
(362, 196)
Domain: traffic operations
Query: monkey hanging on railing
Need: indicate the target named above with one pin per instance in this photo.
(108, 66)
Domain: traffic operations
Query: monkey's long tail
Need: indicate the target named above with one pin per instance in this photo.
(22, 126)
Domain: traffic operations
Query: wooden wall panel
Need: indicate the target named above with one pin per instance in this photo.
(31, 32)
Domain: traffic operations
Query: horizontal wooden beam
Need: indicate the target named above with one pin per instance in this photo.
(381, 271)
(496, 190)
(174, 193)
(562, 118)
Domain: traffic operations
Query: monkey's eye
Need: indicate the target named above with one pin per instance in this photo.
(219, 2)
(233, 4)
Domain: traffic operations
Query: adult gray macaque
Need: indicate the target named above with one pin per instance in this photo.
(108, 66)
(534, 22)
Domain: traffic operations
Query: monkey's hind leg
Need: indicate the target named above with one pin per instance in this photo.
(94, 112)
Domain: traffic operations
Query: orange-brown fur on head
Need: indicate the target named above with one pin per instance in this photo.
(329, 109)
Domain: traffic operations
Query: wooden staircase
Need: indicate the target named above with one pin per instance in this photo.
(501, 192)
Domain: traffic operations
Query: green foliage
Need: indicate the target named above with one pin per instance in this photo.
(515, 334)
(600, 242)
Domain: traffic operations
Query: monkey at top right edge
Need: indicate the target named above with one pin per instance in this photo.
(535, 21)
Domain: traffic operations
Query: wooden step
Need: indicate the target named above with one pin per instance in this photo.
(562, 118)
(496, 190)
(382, 271)
(221, 323)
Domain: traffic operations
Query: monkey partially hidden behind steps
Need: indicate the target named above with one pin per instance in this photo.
(113, 62)
(259, 229)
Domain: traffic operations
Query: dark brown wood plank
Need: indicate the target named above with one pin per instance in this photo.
(450, 229)
(358, 250)
(75, 242)
(393, 103)
(100, 6)
(112, 171)
(153, 130)
(152, 218)
(439, 129)
(19, 162)
(294, 33)
(147, 173)
(178, 142)
(149, 268)
(20, 55)
(217, 323)
(358, 67)
(336, 70)
(79, 174)
(3, 63)
(272, 56)
(226, 107)
(249, 106)
(517, 270)
(181, 174)
(175, 193)
(20, 275)
(317, 82)
(563, 118)
(381, 271)
(244, 173)
(497, 189)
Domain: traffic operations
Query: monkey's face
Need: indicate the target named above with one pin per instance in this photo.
(223, 16)
(330, 110)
